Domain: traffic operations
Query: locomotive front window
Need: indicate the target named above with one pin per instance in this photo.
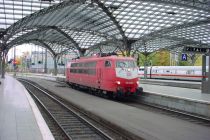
(125, 64)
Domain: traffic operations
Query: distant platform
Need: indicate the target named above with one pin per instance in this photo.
(183, 99)
(184, 93)
(20, 118)
(173, 83)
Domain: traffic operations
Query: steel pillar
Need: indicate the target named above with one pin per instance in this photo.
(45, 64)
(55, 66)
(205, 88)
(3, 66)
(1, 62)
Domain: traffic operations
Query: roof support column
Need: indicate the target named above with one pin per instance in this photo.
(205, 88)
(3, 65)
(45, 63)
(146, 60)
(47, 47)
(128, 44)
(55, 65)
(1, 61)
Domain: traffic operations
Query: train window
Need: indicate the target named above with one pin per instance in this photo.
(107, 63)
(91, 71)
(72, 70)
(80, 65)
(76, 71)
(79, 70)
(85, 71)
(90, 64)
(125, 64)
(72, 64)
(154, 71)
(190, 72)
(85, 64)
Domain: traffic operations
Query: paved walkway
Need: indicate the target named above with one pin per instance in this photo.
(20, 118)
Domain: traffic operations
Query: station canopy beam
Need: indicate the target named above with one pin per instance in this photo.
(78, 25)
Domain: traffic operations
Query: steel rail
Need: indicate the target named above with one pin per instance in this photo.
(80, 118)
(48, 112)
(159, 107)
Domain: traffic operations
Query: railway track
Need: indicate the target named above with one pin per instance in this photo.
(162, 110)
(70, 124)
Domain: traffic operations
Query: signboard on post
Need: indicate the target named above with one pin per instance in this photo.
(184, 57)
(196, 50)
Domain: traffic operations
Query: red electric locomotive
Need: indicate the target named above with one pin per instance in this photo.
(111, 75)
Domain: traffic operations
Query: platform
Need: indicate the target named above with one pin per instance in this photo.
(185, 93)
(184, 99)
(173, 83)
(20, 118)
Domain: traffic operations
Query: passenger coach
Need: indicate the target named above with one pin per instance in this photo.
(111, 75)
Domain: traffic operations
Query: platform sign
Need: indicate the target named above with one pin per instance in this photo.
(196, 50)
(184, 57)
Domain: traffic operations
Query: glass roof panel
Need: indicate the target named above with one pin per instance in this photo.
(119, 19)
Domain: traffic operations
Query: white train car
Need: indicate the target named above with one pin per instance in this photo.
(192, 73)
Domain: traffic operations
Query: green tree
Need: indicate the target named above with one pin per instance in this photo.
(162, 58)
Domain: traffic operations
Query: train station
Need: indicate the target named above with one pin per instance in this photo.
(104, 69)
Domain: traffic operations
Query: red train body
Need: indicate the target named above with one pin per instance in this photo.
(111, 75)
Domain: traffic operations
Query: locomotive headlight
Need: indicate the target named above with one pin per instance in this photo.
(137, 82)
(118, 82)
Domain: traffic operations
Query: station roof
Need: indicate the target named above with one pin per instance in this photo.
(105, 25)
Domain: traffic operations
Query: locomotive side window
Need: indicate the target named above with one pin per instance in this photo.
(80, 65)
(72, 64)
(107, 63)
(91, 72)
(83, 68)
(90, 64)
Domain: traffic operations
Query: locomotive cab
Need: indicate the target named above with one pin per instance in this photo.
(127, 80)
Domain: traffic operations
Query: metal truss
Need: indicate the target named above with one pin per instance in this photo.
(141, 25)
(108, 46)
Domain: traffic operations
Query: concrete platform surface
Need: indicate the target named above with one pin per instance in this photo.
(20, 118)
(177, 92)
(146, 124)
(173, 83)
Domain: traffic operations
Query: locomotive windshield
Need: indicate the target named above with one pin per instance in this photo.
(125, 64)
